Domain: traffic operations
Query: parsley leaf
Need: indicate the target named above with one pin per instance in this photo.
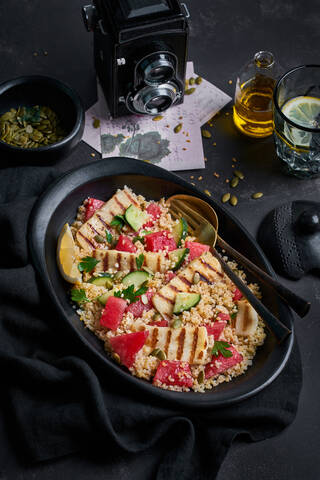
(136, 239)
(139, 261)
(109, 237)
(87, 264)
(79, 296)
(130, 294)
(221, 347)
(118, 222)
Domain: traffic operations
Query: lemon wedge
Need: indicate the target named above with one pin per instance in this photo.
(66, 256)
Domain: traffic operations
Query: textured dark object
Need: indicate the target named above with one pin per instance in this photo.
(44, 91)
(101, 179)
(290, 236)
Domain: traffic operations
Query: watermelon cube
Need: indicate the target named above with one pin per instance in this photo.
(174, 373)
(216, 328)
(159, 241)
(169, 276)
(160, 323)
(196, 249)
(220, 363)
(237, 295)
(92, 205)
(154, 212)
(143, 304)
(113, 312)
(128, 345)
(125, 244)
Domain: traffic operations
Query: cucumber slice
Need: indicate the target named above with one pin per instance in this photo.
(180, 231)
(104, 280)
(136, 217)
(185, 301)
(135, 278)
(103, 298)
(177, 257)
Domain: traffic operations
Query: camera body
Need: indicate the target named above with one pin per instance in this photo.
(140, 50)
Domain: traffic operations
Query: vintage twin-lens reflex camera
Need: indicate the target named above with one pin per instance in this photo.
(140, 49)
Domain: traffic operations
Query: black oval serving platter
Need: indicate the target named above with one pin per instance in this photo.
(100, 179)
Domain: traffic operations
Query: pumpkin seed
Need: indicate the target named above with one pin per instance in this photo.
(198, 80)
(157, 118)
(225, 198)
(191, 81)
(177, 128)
(99, 239)
(189, 91)
(176, 323)
(186, 84)
(239, 174)
(157, 352)
(206, 134)
(200, 377)
(257, 195)
(156, 317)
(196, 278)
(234, 182)
(233, 200)
(96, 123)
(26, 127)
(116, 357)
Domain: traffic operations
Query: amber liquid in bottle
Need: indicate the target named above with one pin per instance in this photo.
(252, 111)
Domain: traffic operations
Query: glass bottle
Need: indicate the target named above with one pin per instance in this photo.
(252, 110)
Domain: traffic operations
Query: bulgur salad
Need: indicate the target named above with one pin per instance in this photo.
(157, 298)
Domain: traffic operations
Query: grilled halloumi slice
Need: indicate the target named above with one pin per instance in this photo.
(246, 319)
(113, 260)
(187, 344)
(101, 219)
(209, 270)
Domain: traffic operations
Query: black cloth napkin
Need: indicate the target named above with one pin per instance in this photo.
(57, 400)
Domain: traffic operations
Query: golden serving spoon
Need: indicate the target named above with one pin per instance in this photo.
(208, 234)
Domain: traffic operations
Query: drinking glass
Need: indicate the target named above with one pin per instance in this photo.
(296, 115)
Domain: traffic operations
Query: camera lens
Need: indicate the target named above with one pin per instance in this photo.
(159, 103)
(154, 99)
(157, 69)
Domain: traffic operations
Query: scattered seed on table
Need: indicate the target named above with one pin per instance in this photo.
(205, 159)
(198, 80)
(233, 200)
(239, 174)
(184, 148)
(192, 177)
(234, 182)
(180, 118)
(92, 154)
(96, 123)
(230, 82)
(192, 183)
(191, 81)
(206, 134)
(207, 192)
(200, 178)
(177, 128)
(227, 180)
(157, 118)
(189, 141)
(216, 174)
(225, 198)
(210, 124)
(257, 195)
(189, 91)
(234, 159)
(214, 144)
(232, 166)
(227, 114)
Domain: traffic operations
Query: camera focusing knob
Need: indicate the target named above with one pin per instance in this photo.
(89, 15)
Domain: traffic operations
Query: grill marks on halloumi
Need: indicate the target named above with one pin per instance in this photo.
(187, 344)
(101, 219)
(126, 262)
(207, 266)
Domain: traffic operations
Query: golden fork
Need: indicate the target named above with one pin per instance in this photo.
(204, 232)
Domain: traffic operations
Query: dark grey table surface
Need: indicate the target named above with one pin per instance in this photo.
(224, 35)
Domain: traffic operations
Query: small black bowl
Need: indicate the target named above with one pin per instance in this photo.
(43, 91)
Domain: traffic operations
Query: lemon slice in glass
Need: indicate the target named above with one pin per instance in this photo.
(304, 111)
(66, 256)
